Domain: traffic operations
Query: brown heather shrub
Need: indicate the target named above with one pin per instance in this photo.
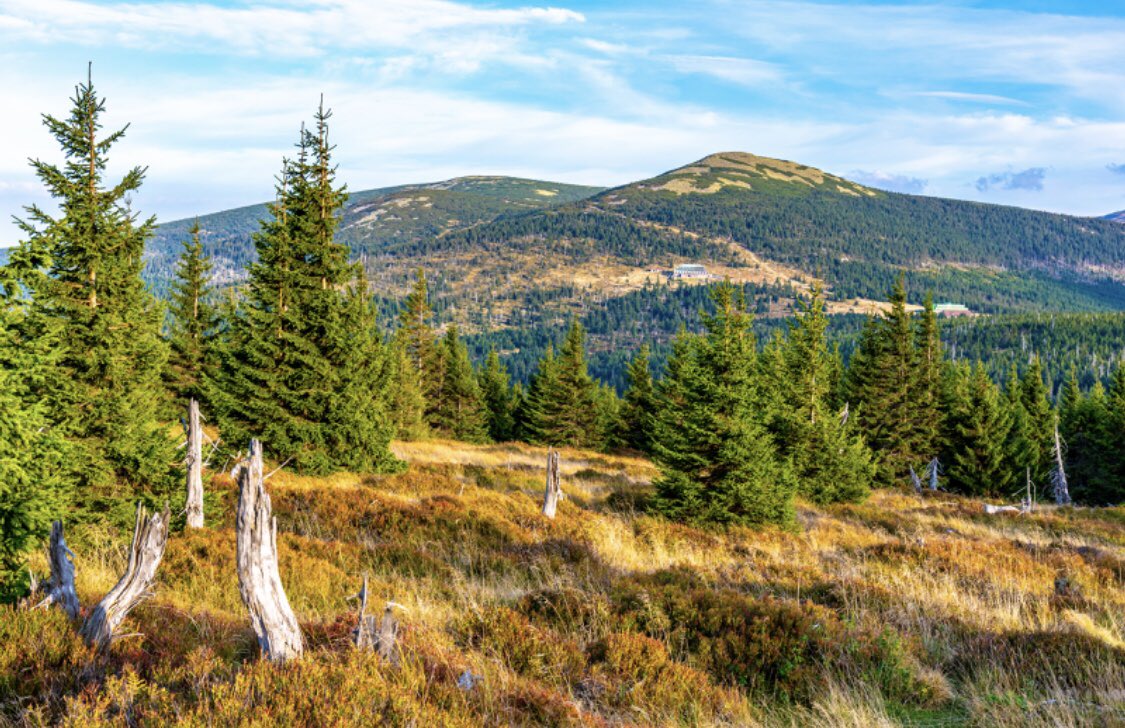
(522, 647)
(764, 645)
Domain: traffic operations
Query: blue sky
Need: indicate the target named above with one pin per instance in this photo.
(1011, 102)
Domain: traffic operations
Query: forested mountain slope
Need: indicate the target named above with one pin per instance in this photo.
(372, 219)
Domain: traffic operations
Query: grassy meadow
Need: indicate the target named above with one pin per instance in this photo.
(899, 611)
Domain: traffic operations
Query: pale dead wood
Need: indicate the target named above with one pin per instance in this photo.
(992, 510)
(553, 491)
(388, 636)
(194, 465)
(60, 590)
(1058, 476)
(259, 579)
(365, 633)
(150, 536)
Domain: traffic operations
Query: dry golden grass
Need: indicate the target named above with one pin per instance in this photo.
(898, 611)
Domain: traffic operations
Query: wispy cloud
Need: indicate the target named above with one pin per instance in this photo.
(1116, 168)
(1028, 179)
(970, 97)
(741, 71)
(889, 182)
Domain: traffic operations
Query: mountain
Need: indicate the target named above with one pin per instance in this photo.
(1116, 216)
(372, 219)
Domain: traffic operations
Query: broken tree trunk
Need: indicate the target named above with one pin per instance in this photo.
(150, 535)
(554, 490)
(365, 632)
(259, 580)
(1058, 477)
(194, 464)
(915, 481)
(388, 636)
(61, 589)
(992, 510)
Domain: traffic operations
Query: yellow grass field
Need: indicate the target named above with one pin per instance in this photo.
(900, 611)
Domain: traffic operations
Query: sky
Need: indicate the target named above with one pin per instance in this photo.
(1004, 101)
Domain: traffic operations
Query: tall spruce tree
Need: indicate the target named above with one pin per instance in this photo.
(81, 270)
(304, 369)
(927, 397)
(461, 412)
(561, 407)
(408, 401)
(420, 343)
(1041, 422)
(193, 323)
(828, 457)
(718, 462)
(977, 461)
(883, 384)
(498, 398)
(640, 401)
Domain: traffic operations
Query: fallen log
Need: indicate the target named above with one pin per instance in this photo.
(259, 580)
(150, 536)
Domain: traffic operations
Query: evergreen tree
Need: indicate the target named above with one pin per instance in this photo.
(304, 369)
(639, 403)
(498, 399)
(419, 341)
(561, 404)
(34, 463)
(718, 462)
(927, 399)
(81, 270)
(461, 411)
(1041, 423)
(408, 402)
(1021, 450)
(977, 462)
(193, 323)
(359, 426)
(1110, 486)
(829, 459)
(883, 384)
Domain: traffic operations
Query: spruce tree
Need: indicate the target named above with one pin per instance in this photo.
(977, 462)
(639, 402)
(34, 463)
(928, 394)
(561, 407)
(1109, 489)
(718, 462)
(1041, 422)
(883, 385)
(419, 340)
(461, 411)
(81, 270)
(304, 369)
(408, 401)
(193, 324)
(498, 398)
(828, 458)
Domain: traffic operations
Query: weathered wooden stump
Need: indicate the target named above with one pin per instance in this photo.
(259, 581)
(553, 492)
(194, 465)
(1058, 477)
(388, 636)
(60, 590)
(366, 632)
(150, 536)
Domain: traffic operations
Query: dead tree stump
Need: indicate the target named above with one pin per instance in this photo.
(150, 536)
(366, 634)
(194, 465)
(1058, 477)
(553, 492)
(259, 580)
(60, 591)
(388, 636)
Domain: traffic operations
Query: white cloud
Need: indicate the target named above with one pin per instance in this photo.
(742, 71)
